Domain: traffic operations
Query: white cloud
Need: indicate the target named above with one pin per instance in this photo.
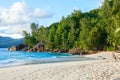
(15, 18)
(16, 31)
(38, 13)
(16, 14)
(20, 13)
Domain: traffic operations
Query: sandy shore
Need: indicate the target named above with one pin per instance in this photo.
(105, 68)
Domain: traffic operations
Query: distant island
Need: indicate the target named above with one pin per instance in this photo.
(6, 42)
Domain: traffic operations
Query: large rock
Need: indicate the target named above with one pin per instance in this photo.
(37, 48)
(47, 50)
(13, 48)
(75, 51)
(21, 47)
(55, 50)
(63, 51)
(17, 48)
(25, 49)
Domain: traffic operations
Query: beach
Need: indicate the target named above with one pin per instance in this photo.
(105, 68)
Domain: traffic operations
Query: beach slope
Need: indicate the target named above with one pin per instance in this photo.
(101, 69)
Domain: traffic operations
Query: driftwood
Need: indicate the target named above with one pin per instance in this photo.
(118, 47)
(116, 56)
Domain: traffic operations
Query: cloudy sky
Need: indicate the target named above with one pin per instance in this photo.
(16, 15)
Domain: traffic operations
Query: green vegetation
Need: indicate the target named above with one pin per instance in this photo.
(98, 29)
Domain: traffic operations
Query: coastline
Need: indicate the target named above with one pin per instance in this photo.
(101, 69)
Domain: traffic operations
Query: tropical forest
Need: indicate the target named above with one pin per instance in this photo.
(98, 29)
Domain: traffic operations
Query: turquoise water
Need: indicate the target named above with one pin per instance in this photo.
(13, 58)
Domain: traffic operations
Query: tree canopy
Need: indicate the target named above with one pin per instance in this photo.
(98, 29)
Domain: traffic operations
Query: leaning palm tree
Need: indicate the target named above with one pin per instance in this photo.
(117, 36)
(116, 55)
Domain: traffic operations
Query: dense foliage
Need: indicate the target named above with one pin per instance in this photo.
(98, 29)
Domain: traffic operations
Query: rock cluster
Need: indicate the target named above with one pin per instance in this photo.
(19, 47)
(37, 48)
(40, 48)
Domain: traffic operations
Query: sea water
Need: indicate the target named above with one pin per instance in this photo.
(13, 58)
(16, 58)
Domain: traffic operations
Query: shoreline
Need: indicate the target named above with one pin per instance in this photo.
(48, 60)
(73, 70)
(98, 56)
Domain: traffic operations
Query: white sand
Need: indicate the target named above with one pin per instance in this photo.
(102, 69)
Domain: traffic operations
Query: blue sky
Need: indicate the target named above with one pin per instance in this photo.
(16, 15)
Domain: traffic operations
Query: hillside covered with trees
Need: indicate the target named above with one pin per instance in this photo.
(98, 29)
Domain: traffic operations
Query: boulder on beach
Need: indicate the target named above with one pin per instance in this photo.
(13, 48)
(37, 48)
(75, 51)
(17, 48)
(63, 50)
